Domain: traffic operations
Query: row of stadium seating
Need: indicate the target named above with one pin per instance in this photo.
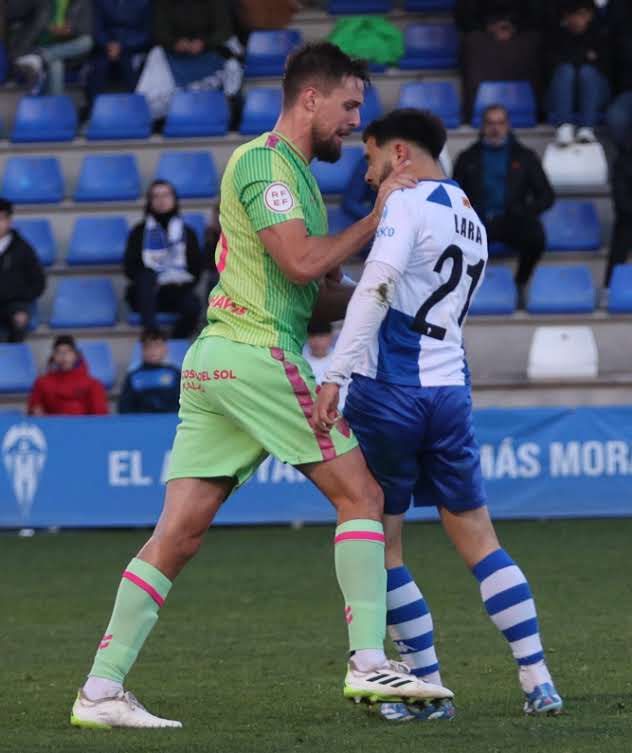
(432, 46)
(347, 7)
(206, 114)
(571, 225)
(19, 368)
(91, 302)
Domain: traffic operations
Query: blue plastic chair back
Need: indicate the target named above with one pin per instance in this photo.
(261, 110)
(440, 97)
(38, 232)
(516, 96)
(193, 174)
(572, 225)
(108, 177)
(338, 220)
(430, 46)
(348, 7)
(119, 116)
(334, 177)
(497, 294)
(562, 290)
(18, 370)
(176, 351)
(197, 222)
(371, 107)
(98, 240)
(98, 356)
(267, 50)
(197, 113)
(84, 302)
(33, 180)
(428, 6)
(45, 119)
(620, 296)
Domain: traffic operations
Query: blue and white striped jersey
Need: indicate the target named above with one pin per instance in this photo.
(431, 235)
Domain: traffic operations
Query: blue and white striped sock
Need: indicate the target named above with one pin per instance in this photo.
(410, 625)
(509, 603)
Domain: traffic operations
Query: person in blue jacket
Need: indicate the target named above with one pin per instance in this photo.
(154, 386)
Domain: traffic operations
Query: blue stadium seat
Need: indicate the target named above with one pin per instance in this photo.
(84, 302)
(562, 290)
(338, 219)
(18, 370)
(33, 180)
(197, 113)
(98, 240)
(98, 356)
(334, 177)
(347, 7)
(108, 177)
(620, 297)
(497, 294)
(39, 234)
(197, 222)
(425, 6)
(261, 110)
(440, 97)
(430, 46)
(498, 248)
(45, 119)
(572, 225)
(516, 96)
(371, 107)
(193, 174)
(119, 116)
(267, 50)
(176, 351)
(163, 318)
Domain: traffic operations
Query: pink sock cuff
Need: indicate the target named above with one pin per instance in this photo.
(359, 536)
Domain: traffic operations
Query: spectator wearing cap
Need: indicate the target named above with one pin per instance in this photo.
(154, 386)
(580, 65)
(22, 279)
(67, 389)
(508, 189)
(163, 263)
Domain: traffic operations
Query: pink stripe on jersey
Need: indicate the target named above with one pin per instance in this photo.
(221, 264)
(305, 401)
(359, 536)
(272, 141)
(147, 587)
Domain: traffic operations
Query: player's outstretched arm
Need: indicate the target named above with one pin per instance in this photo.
(303, 259)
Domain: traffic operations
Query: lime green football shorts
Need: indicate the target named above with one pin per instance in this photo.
(239, 403)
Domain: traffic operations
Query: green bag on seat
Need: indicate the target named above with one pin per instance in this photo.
(370, 37)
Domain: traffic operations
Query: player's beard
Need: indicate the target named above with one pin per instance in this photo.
(325, 148)
(386, 171)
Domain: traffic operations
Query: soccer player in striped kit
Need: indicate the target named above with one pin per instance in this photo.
(409, 403)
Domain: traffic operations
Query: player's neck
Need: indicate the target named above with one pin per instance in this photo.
(425, 169)
(296, 133)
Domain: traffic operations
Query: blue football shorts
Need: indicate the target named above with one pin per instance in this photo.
(419, 443)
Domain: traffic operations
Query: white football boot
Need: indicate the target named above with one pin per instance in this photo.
(122, 710)
(389, 682)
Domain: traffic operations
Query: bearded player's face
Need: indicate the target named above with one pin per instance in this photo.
(379, 162)
(337, 114)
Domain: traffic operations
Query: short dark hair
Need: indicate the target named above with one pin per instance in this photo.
(6, 206)
(68, 340)
(491, 108)
(152, 334)
(572, 6)
(323, 63)
(420, 127)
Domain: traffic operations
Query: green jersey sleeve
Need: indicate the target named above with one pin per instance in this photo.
(267, 188)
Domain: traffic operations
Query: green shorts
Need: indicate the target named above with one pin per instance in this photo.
(239, 403)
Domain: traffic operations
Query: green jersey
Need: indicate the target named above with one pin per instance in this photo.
(267, 181)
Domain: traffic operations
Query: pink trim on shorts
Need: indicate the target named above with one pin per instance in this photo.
(305, 401)
(221, 264)
(360, 536)
(147, 587)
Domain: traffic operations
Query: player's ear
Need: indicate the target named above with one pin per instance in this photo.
(310, 99)
(401, 151)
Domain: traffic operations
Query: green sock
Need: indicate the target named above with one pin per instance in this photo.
(142, 592)
(359, 555)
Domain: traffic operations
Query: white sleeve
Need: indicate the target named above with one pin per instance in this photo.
(366, 311)
(396, 234)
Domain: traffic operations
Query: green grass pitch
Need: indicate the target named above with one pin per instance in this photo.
(250, 648)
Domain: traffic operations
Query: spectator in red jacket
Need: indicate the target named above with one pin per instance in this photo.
(67, 389)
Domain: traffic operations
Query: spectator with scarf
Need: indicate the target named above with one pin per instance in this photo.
(163, 263)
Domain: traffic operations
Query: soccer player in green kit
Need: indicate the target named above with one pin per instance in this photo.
(247, 391)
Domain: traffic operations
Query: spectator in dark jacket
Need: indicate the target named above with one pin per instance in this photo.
(508, 188)
(619, 115)
(154, 386)
(473, 15)
(26, 21)
(122, 34)
(580, 67)
(22, 279)
(163, 263)
(67, 389)
(621, 244)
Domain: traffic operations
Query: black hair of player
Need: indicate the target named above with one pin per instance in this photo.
(322, 63)
(419, 127)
